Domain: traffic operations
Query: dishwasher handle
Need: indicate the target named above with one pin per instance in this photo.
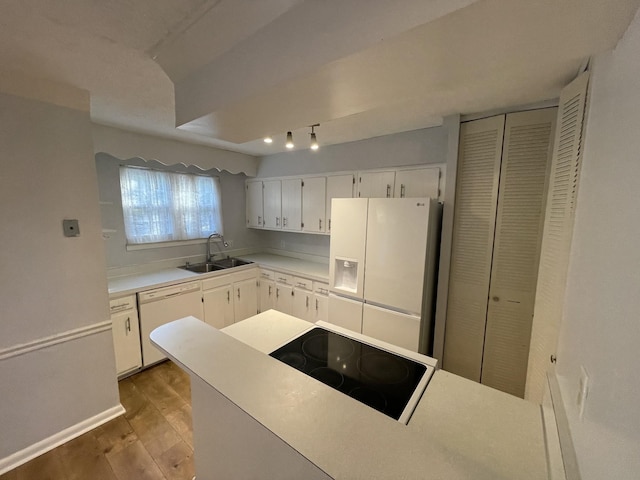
(168, 292)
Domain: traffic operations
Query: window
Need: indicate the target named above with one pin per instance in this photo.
(165, 206)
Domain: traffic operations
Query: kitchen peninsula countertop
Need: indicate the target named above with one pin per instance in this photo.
(459, 430)
(130, 284)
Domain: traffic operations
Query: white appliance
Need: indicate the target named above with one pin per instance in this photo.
(165, 305)
(382, 268)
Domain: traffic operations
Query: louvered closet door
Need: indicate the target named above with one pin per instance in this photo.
(479, 155)
(556, 240)
(519, 220)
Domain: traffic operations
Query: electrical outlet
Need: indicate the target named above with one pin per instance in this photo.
(583, 391)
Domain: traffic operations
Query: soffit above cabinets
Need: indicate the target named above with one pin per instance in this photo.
(229, 72)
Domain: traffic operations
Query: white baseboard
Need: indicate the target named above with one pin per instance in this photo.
(43, 446)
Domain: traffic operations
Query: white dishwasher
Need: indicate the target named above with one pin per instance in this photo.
(165, 305)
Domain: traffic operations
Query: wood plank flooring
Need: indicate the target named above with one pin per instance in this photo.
(153, 440)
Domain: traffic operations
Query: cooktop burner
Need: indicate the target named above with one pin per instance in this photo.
(380, 379)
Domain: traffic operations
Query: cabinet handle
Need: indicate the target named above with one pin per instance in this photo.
(127, 324)
(277, 221)
(238, 294)
(320, 224)
(401, 191)
(277, 293)
(284, 221)
(329, 225)
(317, 305)
(307, 302)
(228, 296)
(259, 220)
(269, 290)
(388, 191)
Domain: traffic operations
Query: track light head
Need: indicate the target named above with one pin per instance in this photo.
(289, 143)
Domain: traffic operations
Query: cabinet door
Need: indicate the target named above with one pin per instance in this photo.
(338, 186)
(284, 298)
(519, 222)
(272, 194)
(218, 306)
(479, 156)
(254, 204)
(303, 304)
(126, 341)
(320, 307)
(267, 294)
(245, 299)
(292, 204)
(376, 184)
(419, 182)
(313, 204)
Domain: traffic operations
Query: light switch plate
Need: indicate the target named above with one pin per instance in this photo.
(70, 228)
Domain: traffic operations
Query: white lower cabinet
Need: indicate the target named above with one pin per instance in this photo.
(303, 304)
(245, 298)
(126, 334)
(218, 306)
(230, 298)
(267, 287)
(389, 326)
(284, 293)
(320, 302)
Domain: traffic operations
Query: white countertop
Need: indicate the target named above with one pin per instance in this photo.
(295, 266)
(130, 284)
(460, 429)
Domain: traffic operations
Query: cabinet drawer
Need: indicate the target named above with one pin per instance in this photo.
(321, 288)
(267, 274)
(284, 278)
(244, 275)
(303, 283)
(216, 282)
(123, 303)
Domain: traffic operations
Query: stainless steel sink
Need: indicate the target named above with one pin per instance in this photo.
(221, 264)
(230, 262)
(202, 267)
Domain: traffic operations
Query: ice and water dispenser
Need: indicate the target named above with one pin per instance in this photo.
(346, 275)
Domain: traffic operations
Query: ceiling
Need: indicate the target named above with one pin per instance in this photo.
(229, 72)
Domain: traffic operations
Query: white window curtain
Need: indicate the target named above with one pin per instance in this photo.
(165, 206)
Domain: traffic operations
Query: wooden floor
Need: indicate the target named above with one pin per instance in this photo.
(151, 441)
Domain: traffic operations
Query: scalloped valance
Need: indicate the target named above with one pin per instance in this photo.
(124, 145)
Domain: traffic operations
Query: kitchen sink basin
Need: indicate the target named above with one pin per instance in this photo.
(221, 264)
(230, 262)
(202, 267)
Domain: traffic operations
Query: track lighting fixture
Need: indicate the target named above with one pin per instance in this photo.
(314, 141)
(289, 143)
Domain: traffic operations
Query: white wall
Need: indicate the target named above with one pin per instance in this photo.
(428, 145)
(601, 328)
(233, 214)
(425, 146)
(57, 366)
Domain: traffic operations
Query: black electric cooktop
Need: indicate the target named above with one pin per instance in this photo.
(378, 378)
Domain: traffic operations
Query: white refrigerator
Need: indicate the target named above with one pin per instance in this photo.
(382, 268)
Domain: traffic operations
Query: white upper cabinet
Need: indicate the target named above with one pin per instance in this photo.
(313, 204)
(417, 182)
(376, 184)
(272, 194)
(292, 204)
(254, 204)
(338, 186)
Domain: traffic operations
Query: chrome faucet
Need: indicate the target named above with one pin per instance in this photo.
(214, 235)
